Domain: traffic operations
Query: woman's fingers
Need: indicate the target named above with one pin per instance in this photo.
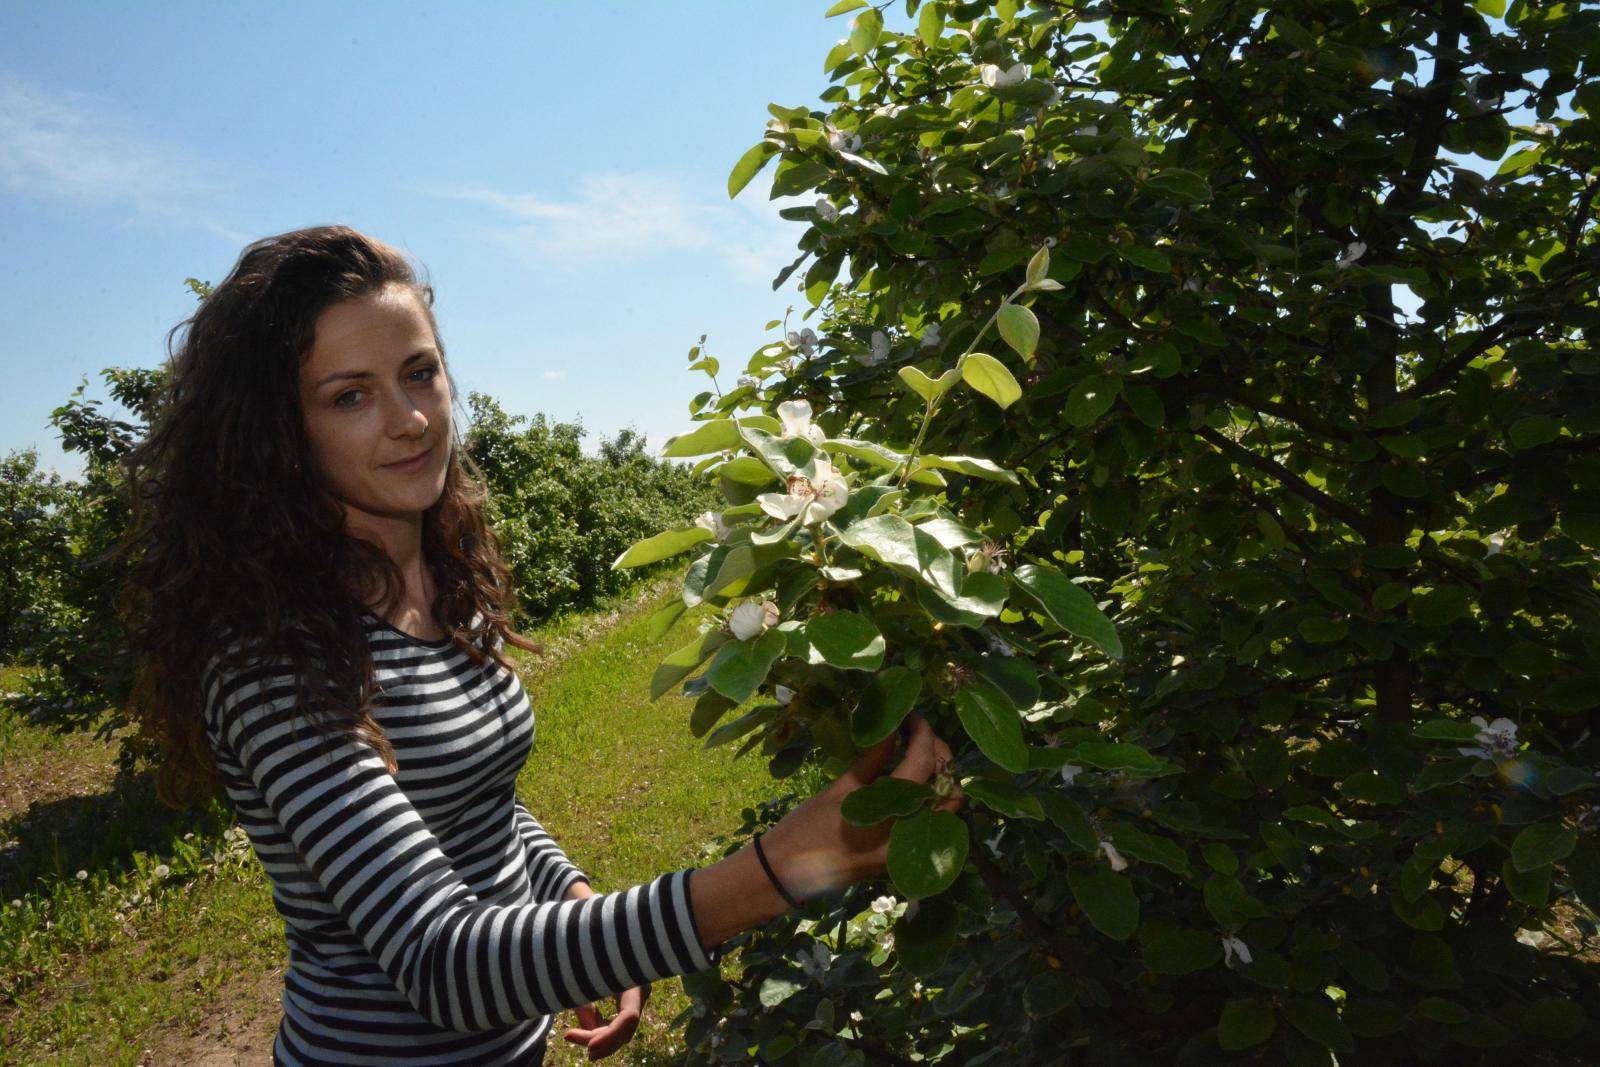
(918, 764)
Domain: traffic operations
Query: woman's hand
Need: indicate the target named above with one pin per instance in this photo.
(814, 850)
(594, 1032)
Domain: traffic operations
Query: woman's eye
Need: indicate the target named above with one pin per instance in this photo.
(431, 372)
(339, 401)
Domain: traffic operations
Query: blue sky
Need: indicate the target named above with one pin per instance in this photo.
(559, 169)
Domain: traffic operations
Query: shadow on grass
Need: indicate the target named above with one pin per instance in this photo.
(99, 832)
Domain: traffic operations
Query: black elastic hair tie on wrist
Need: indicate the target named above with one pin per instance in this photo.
(762, 856)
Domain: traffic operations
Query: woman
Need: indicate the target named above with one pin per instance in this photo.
(319, 614)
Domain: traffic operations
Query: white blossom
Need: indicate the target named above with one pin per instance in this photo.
(752, 618)
(1069, 772)
(1498, 739)
(83, 876)
(1117, 862)
(883, 905)
(826, 211)
(1232, 946)
(887, 940)
(1090, 130)
(805, 342)
(855, 1017)
(1353, 251)
(747, 382)
(16, 903)
(994, 842)
(161, 871)
(1544, 129)
(930, 336)
(1496, 545)
(1000, 190)
(796, 418)
(1298, 196)
(782, 694)
(1192, 284)
(813, 499)
(712, 520)
(888, 111)
(995, 78)
(842, 140)
(880, 346)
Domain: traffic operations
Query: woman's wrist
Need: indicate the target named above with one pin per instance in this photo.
(578, 890)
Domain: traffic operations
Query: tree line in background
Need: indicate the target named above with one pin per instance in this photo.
(561, 517)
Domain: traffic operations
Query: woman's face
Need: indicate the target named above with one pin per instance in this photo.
(373, 391)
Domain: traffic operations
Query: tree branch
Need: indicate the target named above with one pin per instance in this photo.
(1288, 479)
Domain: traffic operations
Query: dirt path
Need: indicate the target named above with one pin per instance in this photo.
(238, 1029)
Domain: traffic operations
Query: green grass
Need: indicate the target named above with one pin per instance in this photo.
(135, 964)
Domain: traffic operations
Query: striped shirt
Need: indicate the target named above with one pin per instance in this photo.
(423, 910)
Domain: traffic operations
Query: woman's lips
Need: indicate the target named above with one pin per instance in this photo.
(409, 466)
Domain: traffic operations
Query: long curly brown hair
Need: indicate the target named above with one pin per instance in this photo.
(238, 550)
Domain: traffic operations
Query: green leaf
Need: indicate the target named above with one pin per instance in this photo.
(991, 378)
(662, 620)
(1180, 185)
(922, 941)
(993, 724)
(885, 702)
(930, 23)
(1038, 268)
(662, 546)
(865, 31)
(749, 166)
(1440, 606)
(1175, 950)
(846, 640)
(1020, 328)
(926, 853)
(1107, 899)
(982, 597)
(1146, 404)
(1070, 819)
(1005, 798)
(1534, 431)
(887, 797)
(1148, 258)
(1220, 858)
(1540, 844)
(1090, 399)
(929, 389)
(1134, 843)
(842, 6)
(717, 435)
(1531, 886)
(1013, 676)
(780, 986)
(1315, 1017)
(1113, 756)
(740, 667)
(1228, 902)
(1068, 606)
(903, 548)
(680, 664)
(1244, 1023)
(1446, 730)
(969, 465)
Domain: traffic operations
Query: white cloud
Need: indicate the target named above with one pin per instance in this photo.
(618, 217)
(75, 147)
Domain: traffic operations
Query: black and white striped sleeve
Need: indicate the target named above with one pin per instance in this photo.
(548, 866)
(463, 964)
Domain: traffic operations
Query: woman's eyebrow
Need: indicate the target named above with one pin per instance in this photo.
(357, 374)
